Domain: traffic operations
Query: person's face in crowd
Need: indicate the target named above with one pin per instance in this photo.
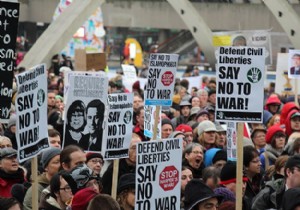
(13, 128)
(212, 98)
(254, 166)
(95, 164)
(140, 119)
(137, 102)
(221, 139)
(132, 149)
(182, 92)
(211, 115)
(202, 118)
(51, 99)
(296, 61)
(277, 119)
(279, 140)
(53, 165)
(209, 137)
(259, 139)
(210, 204)
(195, 158)
(294, 177)
(65, 192)
(166, 130)
(185, 111)
(77, 119)
(92, 120)
(130, 199)
(186, 176)
(58, 103)
(219, 164)
(273, 108)
(5, 143)
(77, 158)
(203, 97)
(9, 165)
(188, 137)
(195, 102)
(55, 141)
(295, 123)
(212, 183)
(184, 143)
(94, 185)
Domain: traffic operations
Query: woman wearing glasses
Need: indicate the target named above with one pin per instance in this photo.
(95, 162)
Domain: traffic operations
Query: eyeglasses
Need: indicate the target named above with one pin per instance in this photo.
(197, 152)
(66, 188)
(95, 161)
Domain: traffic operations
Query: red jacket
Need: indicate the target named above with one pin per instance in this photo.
(8, 180)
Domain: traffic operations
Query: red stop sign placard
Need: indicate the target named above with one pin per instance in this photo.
(168, 178)
(167, 78)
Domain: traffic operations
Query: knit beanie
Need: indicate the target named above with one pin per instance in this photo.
(166, 121)
(226, 193)
(12, 120)
(127, 181)
(220, 155)
(82, 198)
(228, 173)
(184, 128)
(48, 154)
(272, 131)
(91, 155)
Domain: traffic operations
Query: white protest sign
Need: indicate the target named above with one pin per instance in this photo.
(85, 110)
(284, 85)
(240, 84)
(118, 132)
(231, 141)
(129, 72)
(294, 64)
(158, 174)
(31, 110)
(149, 122)
(161, 79)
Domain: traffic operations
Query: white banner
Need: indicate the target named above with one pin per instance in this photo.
(31, 111)
(158, 174)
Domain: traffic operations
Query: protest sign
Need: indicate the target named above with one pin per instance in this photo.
(129, 72)
(240, 84)
(255, 38)
(9, 19)
(158, 174)
(85, 110)
(231, 141)
(161, 79)
(31, 111)
(149, 122)
(118, 132)
(284, 85)
(294, 64)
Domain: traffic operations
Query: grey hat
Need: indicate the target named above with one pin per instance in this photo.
(194, 110)
(7, 152)
(175, 133)
(206, 126)
(48, 154)
(185, 103)
(12, 121)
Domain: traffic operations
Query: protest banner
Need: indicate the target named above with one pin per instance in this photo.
(161, 79)
(9, 19)
(240, 84)
(231, 134)
(158, 174)
(255, 38)
(129, 72)
(118, 131)
(149, 122)
(31, 111)
(85, 110)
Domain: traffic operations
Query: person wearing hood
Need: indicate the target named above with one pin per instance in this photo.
(275, 139)
(286, 109)
(292, 122)
(273, 104)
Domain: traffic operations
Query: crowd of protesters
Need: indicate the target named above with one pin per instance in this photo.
(71, 178)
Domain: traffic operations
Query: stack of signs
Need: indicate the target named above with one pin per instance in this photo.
(158, 174)
(161, 79)
(31, 110)
(240, 84)
(85, 110)
(149, 122)
(9, 19)
(118, 131)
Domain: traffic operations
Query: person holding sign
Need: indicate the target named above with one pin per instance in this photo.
(295, 70)
(94, 117)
